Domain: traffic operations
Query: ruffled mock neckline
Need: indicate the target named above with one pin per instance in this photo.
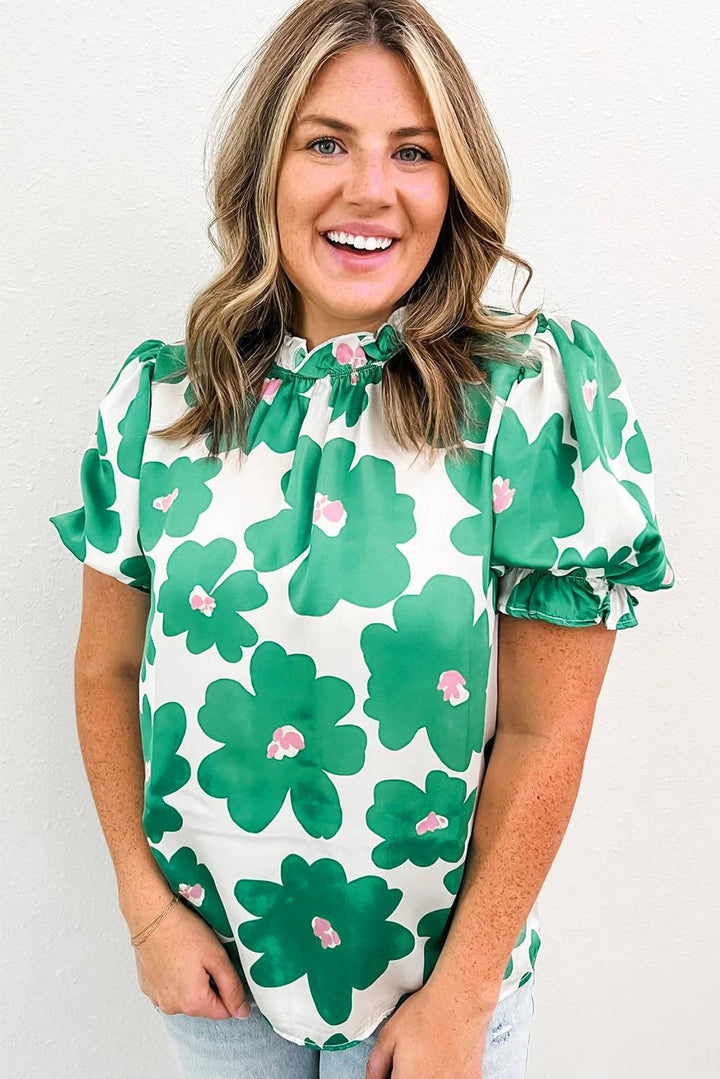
(347, 353)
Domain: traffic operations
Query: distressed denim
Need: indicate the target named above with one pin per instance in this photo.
(251, 1049)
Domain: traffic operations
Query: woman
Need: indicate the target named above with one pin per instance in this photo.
(378, 537)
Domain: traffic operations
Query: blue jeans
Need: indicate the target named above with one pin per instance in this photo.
(251, 1049)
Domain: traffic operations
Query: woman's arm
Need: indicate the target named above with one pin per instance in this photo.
(176, 960)
(107, 667)
(549, 680)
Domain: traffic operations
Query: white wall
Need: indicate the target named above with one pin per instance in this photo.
(608, 115)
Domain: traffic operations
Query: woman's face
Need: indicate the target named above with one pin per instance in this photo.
(361, 177)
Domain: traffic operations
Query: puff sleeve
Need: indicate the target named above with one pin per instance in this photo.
(103, 532)
(575, 532)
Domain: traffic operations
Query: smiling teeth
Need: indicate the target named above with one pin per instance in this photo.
(366, 243)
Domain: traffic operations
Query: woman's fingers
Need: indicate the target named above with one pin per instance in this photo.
(230, 987)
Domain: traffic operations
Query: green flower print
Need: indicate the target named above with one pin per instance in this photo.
(599, 558)
(136, 566)
(431, 671)
(472, 535)
(435, 926)
(195, 883)
(100, 436)
(335, 1041)
(533, 949)
(165, 770)
(526, 490)
(102, 524)
(637, 451)
(133, 426)
(510, 965)
(171, 367)
(172, 499)
(191, 600)
(149, 651)
(470, 477)
(453, 879)
(648, 544)
(348, 399)
(420, 826)
(317, 923)
(95, 522)
(598, 418)
(275, 742)
(170, 364)
(99, 522)
(335, 514)
(571, 596)
(478, 399)
(569, 599)
(276, 418)
(278, 415)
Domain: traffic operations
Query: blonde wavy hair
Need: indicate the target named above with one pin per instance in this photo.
(236, 323)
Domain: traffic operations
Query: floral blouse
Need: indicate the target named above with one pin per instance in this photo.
(318, 694)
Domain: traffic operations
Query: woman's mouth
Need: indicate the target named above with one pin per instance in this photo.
(347, 257)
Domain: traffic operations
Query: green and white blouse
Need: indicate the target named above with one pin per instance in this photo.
(317, 698)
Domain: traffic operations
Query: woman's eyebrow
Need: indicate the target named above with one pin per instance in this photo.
(339, 125)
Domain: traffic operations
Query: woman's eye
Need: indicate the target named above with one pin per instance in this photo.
(416, 150)
(317, 141)
(413, 149)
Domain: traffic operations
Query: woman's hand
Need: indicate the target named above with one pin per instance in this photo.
(174, 965)
(429, 1036)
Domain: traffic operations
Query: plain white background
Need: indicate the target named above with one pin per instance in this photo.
(608, 117)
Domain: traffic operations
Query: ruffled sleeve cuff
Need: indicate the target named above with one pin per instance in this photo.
(576, 598)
